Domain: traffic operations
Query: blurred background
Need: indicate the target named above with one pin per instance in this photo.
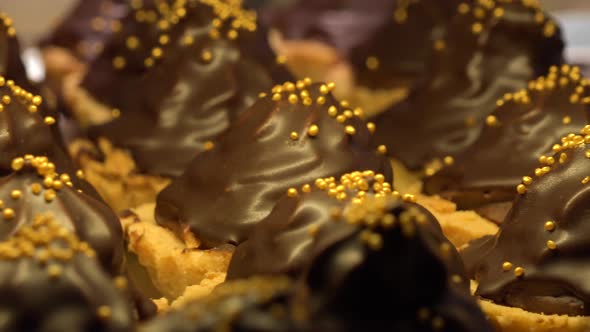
(34, 17)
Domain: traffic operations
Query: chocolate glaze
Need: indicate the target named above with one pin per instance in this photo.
(361, 271)
(524, 126)
(478, 61)
(285, 140)
(397, 33)
(258, 304)
(546, 235)
(88, 25)
(50, 281)
(196, 90)
(33, 189)
(282, 243)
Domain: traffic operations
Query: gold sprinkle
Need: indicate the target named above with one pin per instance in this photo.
(54, 271)
(506, 266)
(36, 188)
(120, 282)
(104, 312)
(8, 213)
(521, 189)
(6, 100)
(550, 226)
(477, 28)
(586, 180)
(527, 180)
(294, 136)
(293, 99)
(49, 195)
(306, 188)
(567, 120)
(206, 56)
(332, 111)
(292, 192)
(80, 174)
(17, 164)
(492, 121)
(281, 59)
(313, 130)
(49, 120)
(132, 42)
(410, 198)
(372, 63)
(119, 62)
(350, 130)
(164, 39)
(16, 194)
(519, 271)
(208, 145)
(371, 127)
(382, 149)
(551, 245)
(448, 160)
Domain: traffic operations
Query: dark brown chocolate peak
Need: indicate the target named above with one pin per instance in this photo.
(538, 261)
(11, 64)
(88, 25)
(282, 242)
(35, 188)
(51, 281)
(524, 125)
(490, 49)
(204, 78)
(291, 136)
(254, 305)
(387, 253)
(385, 40)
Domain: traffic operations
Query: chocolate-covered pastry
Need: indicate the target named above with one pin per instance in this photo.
(84, 30)
(202, 75)
(381, 254)
(524, 126)
(35, 188)
(282, 242)
(293, 135)
(386, 41)
(258, 304)
(538, 261)
(51, 281)
(491, 48)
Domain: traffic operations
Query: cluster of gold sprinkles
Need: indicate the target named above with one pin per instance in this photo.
(6, 24)
(50, 182)
(297, 93)
(11, 93)
(485, 11)
(230, 18)
(52, 246)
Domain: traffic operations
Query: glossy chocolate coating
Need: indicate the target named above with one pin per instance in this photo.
(33, 190)
(524, 126)
(478, 61)
(537, 261)
(274, 146)
(282, 243)
(396, 33)
(88, 25)
(359, 273)
(51, 281)
(198, 87)
(258, 304)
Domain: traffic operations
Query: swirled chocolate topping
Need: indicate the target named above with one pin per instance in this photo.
(384, 40)
(88, 25)
(202, 77)
(524, 126)
(35, 188)
(51, 281)
(257, 304)
(537, 261)
(291, 136)
(11, 64)
(490, 49)
(282, 242)
(393, 253)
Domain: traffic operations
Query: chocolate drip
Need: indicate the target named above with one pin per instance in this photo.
(486, 53)
(51, 281)
(524, 126)
(288, 138)
(537, 261)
